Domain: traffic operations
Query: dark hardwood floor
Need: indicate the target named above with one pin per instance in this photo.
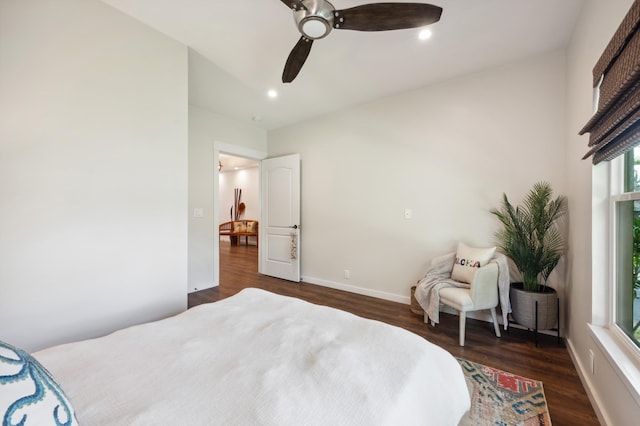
(514, 352)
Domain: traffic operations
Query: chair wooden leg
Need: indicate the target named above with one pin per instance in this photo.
(496, 326)
(463, 318)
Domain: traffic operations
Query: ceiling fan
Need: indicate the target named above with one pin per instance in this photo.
(316, 18)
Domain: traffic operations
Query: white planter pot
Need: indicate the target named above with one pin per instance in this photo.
(523, 306)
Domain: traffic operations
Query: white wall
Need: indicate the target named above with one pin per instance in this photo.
(93, 172)
(205, 128)
(249, 181)
(614, 403)
(446, 151)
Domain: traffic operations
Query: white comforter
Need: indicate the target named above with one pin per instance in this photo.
(258, 358)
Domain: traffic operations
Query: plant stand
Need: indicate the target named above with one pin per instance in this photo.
(534, 310)
(535, 329)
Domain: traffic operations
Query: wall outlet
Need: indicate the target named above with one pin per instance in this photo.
(347, 274)
(198, 212)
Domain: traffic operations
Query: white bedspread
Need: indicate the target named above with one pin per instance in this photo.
(258, 358)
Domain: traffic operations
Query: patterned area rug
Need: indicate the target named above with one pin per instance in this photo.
(503, 399)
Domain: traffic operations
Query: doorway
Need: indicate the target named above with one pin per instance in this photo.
(234, 168)
(238, 185)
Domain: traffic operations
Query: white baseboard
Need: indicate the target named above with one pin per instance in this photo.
(358, 290)
(586, 383)
(479, 315)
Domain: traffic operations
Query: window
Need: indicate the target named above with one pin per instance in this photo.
(614, 132)
(627, 249)
(615, 267)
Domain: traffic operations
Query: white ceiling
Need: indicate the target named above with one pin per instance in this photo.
(239, 48)
(231, 163)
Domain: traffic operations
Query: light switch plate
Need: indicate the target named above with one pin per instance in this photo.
(198, 212)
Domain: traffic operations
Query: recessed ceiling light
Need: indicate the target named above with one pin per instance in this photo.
(272, 94)
(425, 34)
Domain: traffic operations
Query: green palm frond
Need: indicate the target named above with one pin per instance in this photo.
(530, 236)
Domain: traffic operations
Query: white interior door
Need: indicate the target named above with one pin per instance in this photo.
(280, 223)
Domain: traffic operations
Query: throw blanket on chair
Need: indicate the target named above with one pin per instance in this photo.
(439, 276)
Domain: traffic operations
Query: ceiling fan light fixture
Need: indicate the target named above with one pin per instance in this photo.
(316, 20)
(314, 28)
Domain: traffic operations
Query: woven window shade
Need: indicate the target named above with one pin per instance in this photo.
(615, 127)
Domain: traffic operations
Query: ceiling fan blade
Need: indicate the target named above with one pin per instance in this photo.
(296, 59)
(386, 16)
(294, 4)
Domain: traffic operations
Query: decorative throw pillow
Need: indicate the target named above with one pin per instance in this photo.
(29, 395)
(239, 227)
(468, 260)
(251, 227)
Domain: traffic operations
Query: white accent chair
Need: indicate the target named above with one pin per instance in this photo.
(483, 294)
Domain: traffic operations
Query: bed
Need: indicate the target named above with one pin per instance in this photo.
(258, 358)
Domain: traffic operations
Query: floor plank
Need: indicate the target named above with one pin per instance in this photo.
(514, 352)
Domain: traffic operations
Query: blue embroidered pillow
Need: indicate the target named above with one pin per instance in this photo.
(29, 395)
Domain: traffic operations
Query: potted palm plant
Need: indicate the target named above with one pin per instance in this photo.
(531, 239)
